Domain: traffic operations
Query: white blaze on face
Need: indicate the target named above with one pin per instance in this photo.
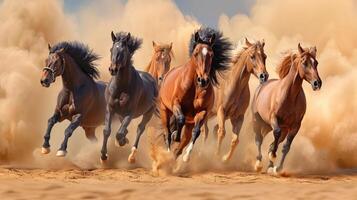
(204, 51)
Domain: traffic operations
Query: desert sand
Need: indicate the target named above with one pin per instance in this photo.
(140, 183)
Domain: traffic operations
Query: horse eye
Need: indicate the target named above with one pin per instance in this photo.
(252, 56)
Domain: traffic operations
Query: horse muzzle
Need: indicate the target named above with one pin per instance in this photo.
(46, 82)
(202, 82)
(316, 85)
(263, 77)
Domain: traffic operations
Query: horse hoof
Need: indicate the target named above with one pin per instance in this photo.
(272, 171)
(225, 158)
(61, 153)
(185, 158)
(258, 166)
(131, 158)
(45, 150)
(272, 157)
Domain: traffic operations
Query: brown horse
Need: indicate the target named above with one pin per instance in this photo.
(160, 61)
(187, 91)
(280, 105)
(81, 99)
(232, 98)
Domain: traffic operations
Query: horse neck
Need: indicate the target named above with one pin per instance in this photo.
(151, 69)
(292, 83)
(72, 77)
(125, 75)
(239, 76)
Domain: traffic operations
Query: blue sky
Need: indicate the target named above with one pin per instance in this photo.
(205, 11)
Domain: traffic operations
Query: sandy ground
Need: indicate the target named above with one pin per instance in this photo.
(142, 184)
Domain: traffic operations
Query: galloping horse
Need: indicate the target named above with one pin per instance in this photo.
(81, 99)
(232, 97)
(187, 91)
(280, 105)
(130, 93)
(160, 62)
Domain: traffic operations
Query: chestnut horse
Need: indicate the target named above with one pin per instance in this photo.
(233, 97)
(280, 105)
(130, 93)
(81, 99)
(187, 91)
(160, 62)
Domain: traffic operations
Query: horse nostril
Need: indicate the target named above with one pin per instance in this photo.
(316, 83)
(160, 78)
(199, 79)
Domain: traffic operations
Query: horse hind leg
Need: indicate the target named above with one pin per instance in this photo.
(221, 132)
(272, 169)
(140, 130)
(90, 134)
(289, 139)
(236, 125)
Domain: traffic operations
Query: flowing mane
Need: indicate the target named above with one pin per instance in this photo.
(284, 67)
(221, 50)
(82, 55)
(133, 43)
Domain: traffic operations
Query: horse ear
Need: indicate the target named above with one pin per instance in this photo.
(62, 50)
(212, 39)
(170, 46)
(154, 44)
(197, 37)
(49, 46)
(263, 42)
(128, 37)
(313, 51)
(301, 50)
(113, 37)
(247, 42)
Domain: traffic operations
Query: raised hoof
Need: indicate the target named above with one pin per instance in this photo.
(186, 157)
(258, 166)
(131, 158)
(272, 157)
(121, 142)
(45, 150)
(225, 158)
(61, 153)
(272, 171)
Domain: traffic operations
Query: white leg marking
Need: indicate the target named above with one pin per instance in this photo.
(186, 157)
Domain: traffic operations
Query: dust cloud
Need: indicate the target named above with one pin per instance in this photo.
(326, 142)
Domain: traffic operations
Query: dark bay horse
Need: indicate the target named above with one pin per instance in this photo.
(130, 93)
(187, 91)
(280, 104)
(81, 99)
(160, 61)
(233, 95)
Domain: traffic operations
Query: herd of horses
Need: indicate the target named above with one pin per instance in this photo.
(212, 83)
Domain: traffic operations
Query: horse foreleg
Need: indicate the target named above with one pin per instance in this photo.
(141, 127)
(165, 119)
(180, 121)
(76, 121)
(120, 137)
(221, 132)
(199, 119)
(186, 137)
(236, 125)
(289, 139)
(205, 131)
(106, 133)
(51, 122)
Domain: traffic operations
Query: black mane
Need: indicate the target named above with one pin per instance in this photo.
(133, 43)
(82, 54)
(221, 50)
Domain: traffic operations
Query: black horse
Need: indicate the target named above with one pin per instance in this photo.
(130, 93)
